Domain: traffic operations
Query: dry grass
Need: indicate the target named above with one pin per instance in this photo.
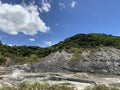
(101, 87)
(38, 86)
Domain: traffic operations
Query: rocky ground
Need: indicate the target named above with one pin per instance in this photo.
(100, 60)
(100, 66)
(77, 80)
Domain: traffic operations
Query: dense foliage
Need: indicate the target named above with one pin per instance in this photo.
(89, 40)
(22, 54)
(32, 53)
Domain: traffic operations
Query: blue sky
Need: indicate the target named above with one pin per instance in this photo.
(56, 20)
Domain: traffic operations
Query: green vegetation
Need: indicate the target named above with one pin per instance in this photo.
(38, 86)
(47, 86)
(101, 87)
(76, 53)
(2, 58)
(89, 40)
(22, 54)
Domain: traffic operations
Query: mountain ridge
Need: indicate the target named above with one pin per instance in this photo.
(24, 54)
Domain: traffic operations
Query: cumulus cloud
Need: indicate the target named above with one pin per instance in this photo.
(73, 3)
(62, 5)
(45, 6)
(32, 39)
(21, 18)
(49, 43)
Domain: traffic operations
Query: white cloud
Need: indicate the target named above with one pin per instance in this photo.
(45, 6)
(10, 45)
(3, 43)
(62, 5)
(73, 3)
(18, 18)
(32, 39)
(49, 43)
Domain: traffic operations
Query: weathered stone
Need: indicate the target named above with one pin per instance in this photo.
(106, 60)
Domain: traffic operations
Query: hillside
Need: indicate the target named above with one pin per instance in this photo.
(99, 60)
(22, 54)
(88, 40)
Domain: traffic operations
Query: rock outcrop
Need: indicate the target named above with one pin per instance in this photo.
(100, 60)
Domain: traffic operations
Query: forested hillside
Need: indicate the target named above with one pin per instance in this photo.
(24, 54)
(89, 40)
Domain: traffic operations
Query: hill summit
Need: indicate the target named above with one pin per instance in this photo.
(89, 40)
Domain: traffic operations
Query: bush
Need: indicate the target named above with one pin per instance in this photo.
(39, 86)
(101, 87)
(2, 59)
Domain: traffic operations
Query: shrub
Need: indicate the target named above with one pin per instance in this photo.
(101, 87)
(39, 86)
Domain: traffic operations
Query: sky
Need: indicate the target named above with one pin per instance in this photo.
(46, 22)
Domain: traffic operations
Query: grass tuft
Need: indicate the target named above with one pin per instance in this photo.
(39, 86)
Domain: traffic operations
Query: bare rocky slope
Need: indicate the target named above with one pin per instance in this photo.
(100, 60)
(95, 53)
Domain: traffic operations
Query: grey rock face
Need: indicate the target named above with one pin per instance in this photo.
(103, 60)
(54, 62)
